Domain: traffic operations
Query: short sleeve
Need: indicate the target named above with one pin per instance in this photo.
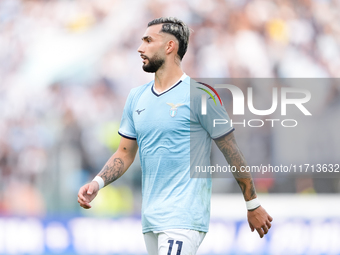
(216, 121)
(127, 126)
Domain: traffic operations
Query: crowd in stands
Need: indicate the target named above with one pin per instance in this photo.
(66, 68)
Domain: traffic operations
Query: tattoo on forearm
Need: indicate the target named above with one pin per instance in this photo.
(234, 156)
(112, 171)
(248, 193)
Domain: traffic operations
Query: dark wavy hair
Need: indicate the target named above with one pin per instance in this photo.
(176, 28)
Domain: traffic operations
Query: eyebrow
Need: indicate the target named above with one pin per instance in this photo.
(146, 37)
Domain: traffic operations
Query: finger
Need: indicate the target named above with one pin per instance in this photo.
(81, 203)
(84, 204)
(265, 229)
(269, 225)
(251, 227)
(90, 190)
(260, 231)
(82, 198)
(80, 194)
(270, 218)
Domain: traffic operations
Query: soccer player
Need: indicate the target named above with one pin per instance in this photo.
(163, 120)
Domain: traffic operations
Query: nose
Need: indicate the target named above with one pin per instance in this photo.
(141, 48)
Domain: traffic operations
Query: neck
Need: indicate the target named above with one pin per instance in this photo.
(165, 77)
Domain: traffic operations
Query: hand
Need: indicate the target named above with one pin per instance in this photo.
(87, 193)
(260, 220)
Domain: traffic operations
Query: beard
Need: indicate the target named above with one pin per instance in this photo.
(154, 64)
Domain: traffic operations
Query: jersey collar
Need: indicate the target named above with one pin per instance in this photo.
(176, 83)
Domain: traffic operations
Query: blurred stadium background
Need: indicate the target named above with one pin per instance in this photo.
(66, 68)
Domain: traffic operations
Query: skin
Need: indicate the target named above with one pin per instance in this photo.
(162, 45)
(114, 168)
(165, 46)
(258, 218)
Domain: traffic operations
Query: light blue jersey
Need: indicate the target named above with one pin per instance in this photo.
(162, 123)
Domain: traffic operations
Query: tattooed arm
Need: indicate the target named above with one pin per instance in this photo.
(119, 162)
(258, 218)
(228, 146)
(114, 168)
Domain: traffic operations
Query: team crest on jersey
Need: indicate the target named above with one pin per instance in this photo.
(173, 109)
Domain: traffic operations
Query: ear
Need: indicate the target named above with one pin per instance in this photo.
(170, 47)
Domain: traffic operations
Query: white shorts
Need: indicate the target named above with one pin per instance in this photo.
(173, 242)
